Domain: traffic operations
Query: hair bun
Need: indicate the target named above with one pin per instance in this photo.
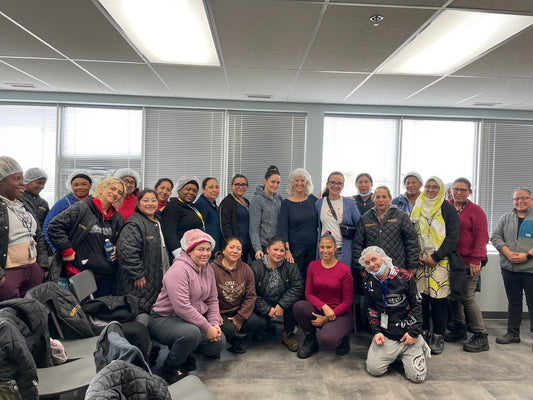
(273, 168)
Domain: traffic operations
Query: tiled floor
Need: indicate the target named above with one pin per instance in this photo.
(269, 371)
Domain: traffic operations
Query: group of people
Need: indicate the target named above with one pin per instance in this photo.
(207, 274)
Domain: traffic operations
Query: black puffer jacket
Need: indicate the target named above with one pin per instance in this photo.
(121, 380)
(292, 280)
(139, 255)
(395, 234)
(31, 319)
(69, 228)
(72, 319)
(16, 361)
(42, 250)
(39, 206)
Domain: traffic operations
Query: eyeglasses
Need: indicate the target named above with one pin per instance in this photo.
(462, 190)
(240, 184)
(432, 187)
(332, 183)
(523, 198)
(128, 181)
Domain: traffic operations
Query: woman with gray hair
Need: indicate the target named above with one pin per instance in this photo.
(23, 254)
(298, 220)
(513, 238)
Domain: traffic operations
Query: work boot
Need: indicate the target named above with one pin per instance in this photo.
(457, 333)
(343, 348)
(309, 346)
(436, 344)
(238, 346)
(508, 338)
(478, 342)
(287, 338)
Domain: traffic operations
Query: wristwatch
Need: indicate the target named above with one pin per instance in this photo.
(529, 256)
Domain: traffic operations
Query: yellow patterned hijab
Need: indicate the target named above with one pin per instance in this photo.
(427, 216)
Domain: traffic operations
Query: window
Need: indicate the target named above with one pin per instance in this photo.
(179, 142)
(388, 148)
(28, 134)
(100, 140)
(356, 145)
(258, 140)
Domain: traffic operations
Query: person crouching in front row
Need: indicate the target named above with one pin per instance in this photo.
(394, 315)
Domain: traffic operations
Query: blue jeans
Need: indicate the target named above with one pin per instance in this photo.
(182, 338)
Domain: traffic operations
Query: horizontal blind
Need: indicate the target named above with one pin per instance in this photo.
(28, 134)
(353, 145)
(258, 140)
(100, 140)
(505, 164)
(180, 141)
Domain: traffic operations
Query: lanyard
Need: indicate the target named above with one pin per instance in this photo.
(195, 210)
(384, 287)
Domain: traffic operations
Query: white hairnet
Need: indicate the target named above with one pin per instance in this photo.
(375, 250)
(123, 172)
(33, 174)
(8, 166)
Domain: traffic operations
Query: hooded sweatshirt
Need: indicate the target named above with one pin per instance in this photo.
(236, 289)
(264, 216)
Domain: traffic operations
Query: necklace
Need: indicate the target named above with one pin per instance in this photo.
(242, 202)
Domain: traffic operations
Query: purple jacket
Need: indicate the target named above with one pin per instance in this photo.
(189, 293)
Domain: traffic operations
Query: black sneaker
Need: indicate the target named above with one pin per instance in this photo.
(436, 344)
(343, 348)
(478, 342)
(238, 347)
(508, 338)
(189, 364)
(456, 334)
(172, 375)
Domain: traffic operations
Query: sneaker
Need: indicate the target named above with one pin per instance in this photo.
(189, 364)
(478, 342)
(238, 347)
(343, 348)
(172, 375)
(436, 344)
(508, 338)
(456, 334)
(309, 346)
(287, 338)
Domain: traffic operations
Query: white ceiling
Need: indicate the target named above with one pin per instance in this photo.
(313, 51)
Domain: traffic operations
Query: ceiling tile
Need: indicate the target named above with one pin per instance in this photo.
(64, 75)
(316, 87)
(515, 94)
(348, 41)
(265, 34)
(128, 78)
(18, 43)
(76, 28)
(260, 81)
(495, 5)
(195, 82)
(388, 89)
(11, 75)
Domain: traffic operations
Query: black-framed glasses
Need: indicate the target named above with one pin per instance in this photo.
(333, 183)
(240, 184)
(462, 190)
(523, 198)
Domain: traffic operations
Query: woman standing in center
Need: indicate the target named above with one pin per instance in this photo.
(334, 210)
(437, 225)
(207, 205)
(180, 215)
(328, 304)
(234, 215)
(363, 199)
(264, 212)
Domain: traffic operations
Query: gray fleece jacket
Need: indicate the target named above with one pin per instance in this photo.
(264, 216)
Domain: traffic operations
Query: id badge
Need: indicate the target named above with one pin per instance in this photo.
(384, 321)
(32, 249)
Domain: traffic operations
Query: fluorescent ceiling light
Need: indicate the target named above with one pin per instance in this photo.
(166, 31)
(452, 40)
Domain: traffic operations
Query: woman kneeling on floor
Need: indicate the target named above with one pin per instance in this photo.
(185, 315)
(328, 304)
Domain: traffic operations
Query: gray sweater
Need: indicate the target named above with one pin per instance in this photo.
(264, 216)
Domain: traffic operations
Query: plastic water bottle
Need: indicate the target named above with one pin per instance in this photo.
(108, 248)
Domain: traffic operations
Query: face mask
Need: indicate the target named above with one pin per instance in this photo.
(365, 194)
(380, 272)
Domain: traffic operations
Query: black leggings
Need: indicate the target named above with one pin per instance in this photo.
(438, 310)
